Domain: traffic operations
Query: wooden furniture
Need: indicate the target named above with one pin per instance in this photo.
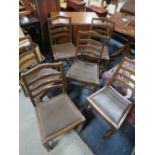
(129, 7)
(80, 21)
(105, 27)
(26, 45)
(60, 33)
(44, 7)
(90, 48)
(124, 24)
(110, 104)
(77, 5)
(58, 114)
(26, 61)
(100, 11)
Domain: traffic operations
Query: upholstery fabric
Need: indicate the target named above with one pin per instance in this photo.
(84, 71)
(111, 103)
(64, 50)
(56, 114)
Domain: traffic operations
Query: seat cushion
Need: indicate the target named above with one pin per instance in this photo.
(84, 71)
(64, 51)
(57, 114)
(111, 104)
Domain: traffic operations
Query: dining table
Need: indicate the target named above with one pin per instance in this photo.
(80, 21)
(124, 24)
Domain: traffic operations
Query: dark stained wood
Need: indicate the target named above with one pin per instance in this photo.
(122, 26)
(129, 7)
(100, 11)
(77, 5)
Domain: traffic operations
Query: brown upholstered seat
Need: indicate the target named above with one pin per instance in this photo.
(63, 51)
(56, 114)
(84, 71)
(110, 104)
(91, 48)
(60, 33)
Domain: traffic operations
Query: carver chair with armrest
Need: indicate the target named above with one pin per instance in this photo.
(88, 48)
(105, 27)
(55, 114)
(60, 33)
(109, 103)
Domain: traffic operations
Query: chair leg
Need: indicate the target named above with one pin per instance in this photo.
(109, 132)
(48, 146)
(80, 127)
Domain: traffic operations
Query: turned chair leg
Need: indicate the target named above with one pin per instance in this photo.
(109, 132)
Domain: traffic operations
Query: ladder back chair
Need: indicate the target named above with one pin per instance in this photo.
(26, 45)
(60, 33)
(90, 48)
(57, 114)
(27, 60)
(105, 27)
(109, 103)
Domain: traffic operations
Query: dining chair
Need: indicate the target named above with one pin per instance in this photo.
(56, 114)
(26, 44)
(105, 27)
(112, 106)
(60, 33)
(89, 48)
(27, 60)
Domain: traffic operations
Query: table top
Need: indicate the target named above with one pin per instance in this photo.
(129, 7)
(78, 18)
(124, 23)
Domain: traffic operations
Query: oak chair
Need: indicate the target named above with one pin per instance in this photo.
(105, 27)
(109, 103)
(56, 115)
(26, 61)
(26, 44)
(60, 33)
(89, 48)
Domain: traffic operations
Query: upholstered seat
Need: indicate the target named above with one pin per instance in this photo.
(57, 113)
(111, 104)
(60, 33)
(63, 51)
(84, 71)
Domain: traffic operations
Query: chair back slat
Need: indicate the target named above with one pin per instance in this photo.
(43, 78)
(103, 26)
(125, 75)
(27, 59)
(60, 29)
(89, 45)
